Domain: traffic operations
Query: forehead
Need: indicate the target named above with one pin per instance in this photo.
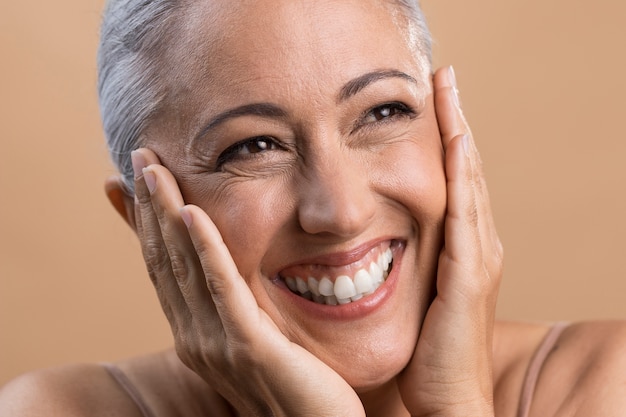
(246, 50)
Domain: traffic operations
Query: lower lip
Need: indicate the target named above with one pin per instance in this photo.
(355, 309)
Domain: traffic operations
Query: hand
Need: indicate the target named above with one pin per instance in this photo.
(450, 373)
(219, 330)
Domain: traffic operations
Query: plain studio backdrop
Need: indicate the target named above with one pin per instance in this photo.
(542, 83)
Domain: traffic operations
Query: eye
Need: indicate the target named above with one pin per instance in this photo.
(247, 148)
(386, 111)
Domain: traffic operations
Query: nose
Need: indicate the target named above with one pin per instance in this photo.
(335, 196)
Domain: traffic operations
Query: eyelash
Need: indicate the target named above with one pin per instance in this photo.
(393, 109)
(401, 110)
(234, 151)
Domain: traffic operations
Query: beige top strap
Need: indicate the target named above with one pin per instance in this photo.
(534, 368)
(127, 386)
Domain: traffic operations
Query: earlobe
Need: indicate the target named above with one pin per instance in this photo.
(123, 203)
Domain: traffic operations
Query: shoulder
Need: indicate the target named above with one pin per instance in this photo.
(160, 381)
(585, 372)
(69, 391)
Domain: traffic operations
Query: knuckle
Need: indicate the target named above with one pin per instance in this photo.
(156, 258)
(217, 287)
(153, 249)
(182, 351)
(143, 196)
(162, 216)
(185, 345)
(195, 355)
(178, 263)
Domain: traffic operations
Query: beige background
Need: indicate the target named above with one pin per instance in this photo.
(543, 85)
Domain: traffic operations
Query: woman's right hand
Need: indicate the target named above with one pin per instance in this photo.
(220, 332)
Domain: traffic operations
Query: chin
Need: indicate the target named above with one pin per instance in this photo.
(370, 340)
(373, 355)
(370, 375)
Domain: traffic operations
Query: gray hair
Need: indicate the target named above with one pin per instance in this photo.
(130, 88)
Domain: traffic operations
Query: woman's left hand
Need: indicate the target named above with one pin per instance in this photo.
(450, 373)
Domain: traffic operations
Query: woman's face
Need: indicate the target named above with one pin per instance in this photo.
(306, 130)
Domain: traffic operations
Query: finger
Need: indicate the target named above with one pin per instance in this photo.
(462, 235)
(231, 295)
(448, 107)
(491, 240)
(152, 245)
(141, 158)
(468, 261)
(462, 240)
(452, 123)
(184, 262)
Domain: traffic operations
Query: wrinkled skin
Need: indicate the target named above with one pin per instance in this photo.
(218, 223)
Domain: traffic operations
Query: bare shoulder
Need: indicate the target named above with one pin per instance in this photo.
(71, 391)
(159, 381)
(585, 373)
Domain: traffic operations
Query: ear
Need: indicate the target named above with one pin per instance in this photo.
(123, 203)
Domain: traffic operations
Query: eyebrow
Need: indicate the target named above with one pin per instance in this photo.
(352, 87)
(270, 110)
(254, 109)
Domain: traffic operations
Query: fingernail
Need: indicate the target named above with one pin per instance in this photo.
(139, 163)
(186, 216)
(150, 179)
(455, 90)
(466, 145)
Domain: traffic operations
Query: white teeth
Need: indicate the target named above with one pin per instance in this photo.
(302, 286)
(326, 287)
(381, 262)
(356, 297)
(345, 289)
(291, 283)
(331, 300)
(376, 273)
(314, 286)
(387, 257)
(363, 282)
(319, 299)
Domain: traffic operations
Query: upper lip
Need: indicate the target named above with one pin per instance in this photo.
(341, 258)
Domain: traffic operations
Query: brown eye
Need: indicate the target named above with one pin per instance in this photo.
(386, 111)
(247, 148)
(257, 145)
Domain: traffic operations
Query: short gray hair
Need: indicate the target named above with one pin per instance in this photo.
(130, 88)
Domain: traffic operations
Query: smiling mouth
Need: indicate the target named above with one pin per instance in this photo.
(323, 287)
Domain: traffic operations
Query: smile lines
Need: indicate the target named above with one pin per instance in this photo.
(345, 289)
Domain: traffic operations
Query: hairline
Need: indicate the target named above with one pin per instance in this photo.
(132, 89)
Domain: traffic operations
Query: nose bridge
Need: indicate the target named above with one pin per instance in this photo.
(335, 196)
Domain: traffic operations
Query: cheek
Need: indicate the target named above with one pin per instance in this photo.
(249, 214)
(412, 175)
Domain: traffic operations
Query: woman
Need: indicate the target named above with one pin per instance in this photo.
(313, 214)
